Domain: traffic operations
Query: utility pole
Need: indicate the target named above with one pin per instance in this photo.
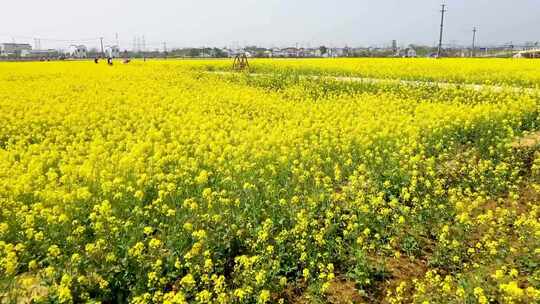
(474, 41)
(102, 51)
(439, 50)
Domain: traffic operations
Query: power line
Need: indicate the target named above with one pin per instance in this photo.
(54, 39)
(443, 10)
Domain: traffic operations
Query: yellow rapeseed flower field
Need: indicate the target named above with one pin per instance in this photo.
(159, 182)
(523, 73)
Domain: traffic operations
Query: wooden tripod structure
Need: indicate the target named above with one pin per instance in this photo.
(240, 63)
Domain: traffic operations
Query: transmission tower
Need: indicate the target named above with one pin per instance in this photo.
(37, 44)
(474, 42)
(102, 50)
(143, 44)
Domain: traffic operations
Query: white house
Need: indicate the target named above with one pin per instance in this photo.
(291, 52)
(50, 53)
(531, 53)
(314, 53)
(411, 53)
(112, 51)
(340, 52)
(227, 52)
(78, 51)
(14, 48)
(277, 53)
(408, 53)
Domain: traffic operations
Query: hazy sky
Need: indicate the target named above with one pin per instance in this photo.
(270, 23)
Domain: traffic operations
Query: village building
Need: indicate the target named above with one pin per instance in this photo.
(50, 53)
(77, 51)
(7, 49)
(112, 51)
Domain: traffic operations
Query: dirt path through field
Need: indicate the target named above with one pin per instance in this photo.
(476, 87)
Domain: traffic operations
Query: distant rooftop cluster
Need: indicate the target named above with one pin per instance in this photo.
(81, 51)
(75, 51)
